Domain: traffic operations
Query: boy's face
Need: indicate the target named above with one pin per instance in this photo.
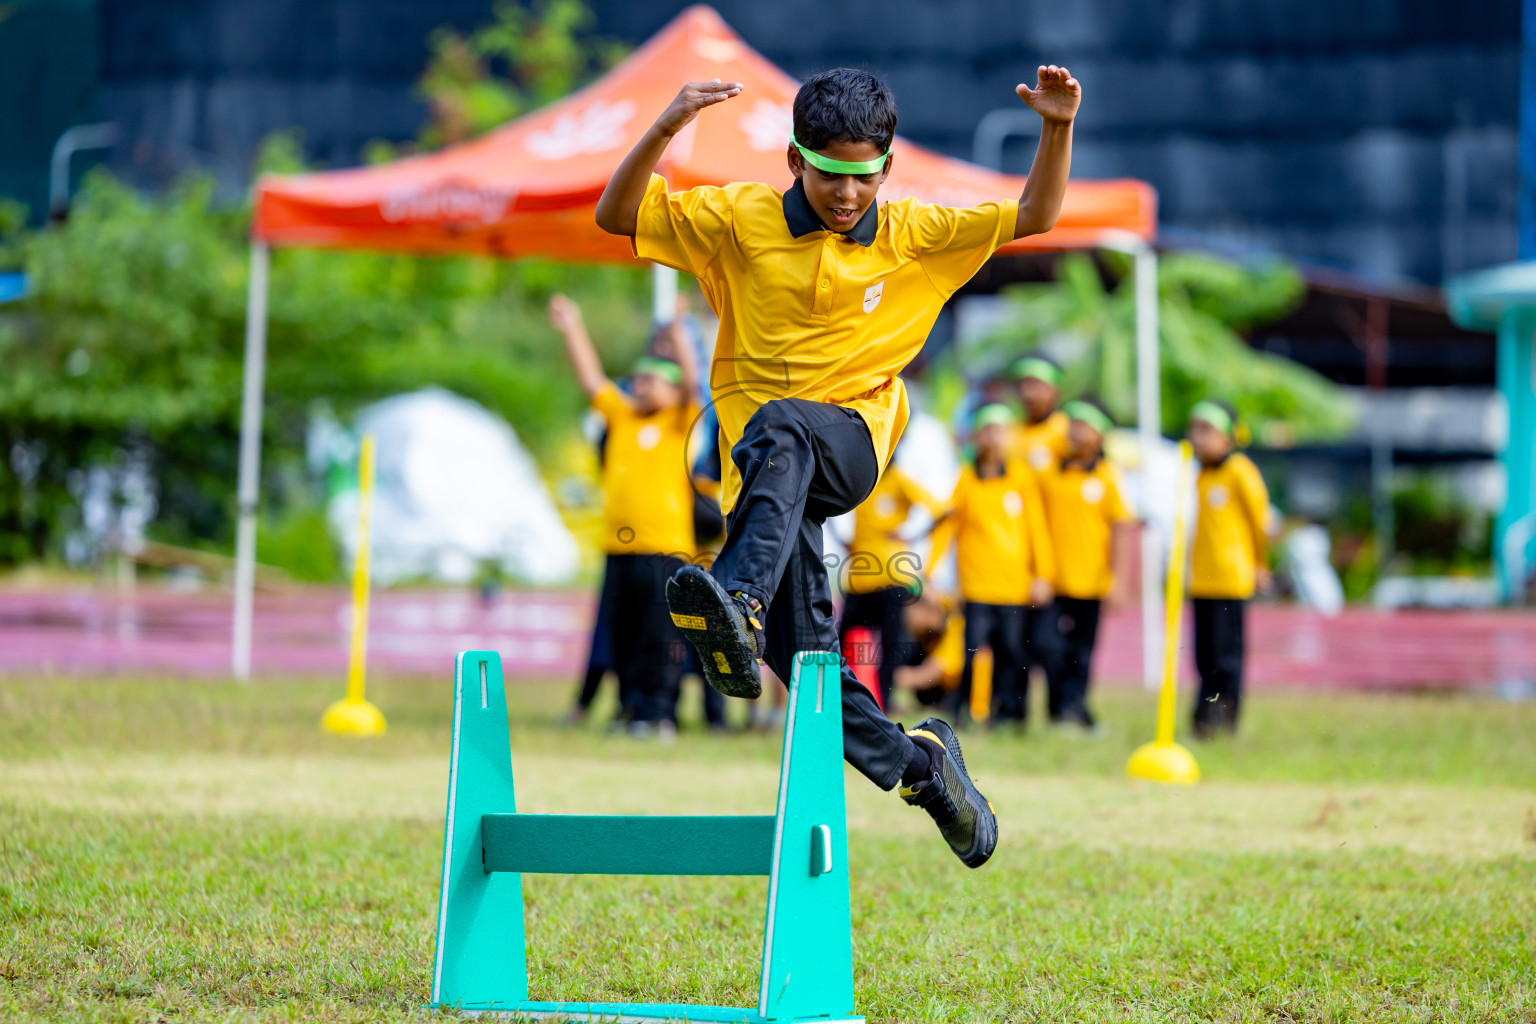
(1086, 442)
(1039, 398)
(991, 440)
(654, 393)
(840, 200)
(1210, 444)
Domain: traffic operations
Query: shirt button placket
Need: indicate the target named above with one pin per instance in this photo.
(821, 305)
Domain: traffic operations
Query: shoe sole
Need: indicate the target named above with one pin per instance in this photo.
(702, 611)
(985, 842)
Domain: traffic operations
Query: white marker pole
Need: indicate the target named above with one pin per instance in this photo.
(249, 489)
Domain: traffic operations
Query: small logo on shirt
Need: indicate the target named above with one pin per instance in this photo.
(1039, 458)
(1093, 490)
(1013, 504)
(885, 505)
(648, 437)
(1216, 497)
(872, 296)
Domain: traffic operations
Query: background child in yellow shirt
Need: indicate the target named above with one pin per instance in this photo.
(648, 519)
(1003, 554)
(1229, 560)
(1088, 518)
(1041, 440)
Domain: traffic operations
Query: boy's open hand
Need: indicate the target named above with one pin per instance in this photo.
(694, 97)
(1055, 96)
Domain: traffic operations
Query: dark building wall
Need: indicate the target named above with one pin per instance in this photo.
(47, 84)
(1377, 135)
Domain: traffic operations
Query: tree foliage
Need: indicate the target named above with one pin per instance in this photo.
(132, 338)
(1204, 305)
(525, 58)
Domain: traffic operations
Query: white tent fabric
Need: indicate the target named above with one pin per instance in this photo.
(455, 489)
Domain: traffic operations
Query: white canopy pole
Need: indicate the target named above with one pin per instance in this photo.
(663, 294)
(1149, 418)
(250, 458)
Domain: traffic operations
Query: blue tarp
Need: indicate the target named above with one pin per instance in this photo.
(12, 287)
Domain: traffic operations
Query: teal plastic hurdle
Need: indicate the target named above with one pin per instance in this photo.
(481, 965)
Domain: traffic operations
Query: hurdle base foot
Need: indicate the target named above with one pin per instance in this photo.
(636, 1013)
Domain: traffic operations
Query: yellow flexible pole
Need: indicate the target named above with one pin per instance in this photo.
(355, 716)
(1164, 760)
(1173, 603)
(357, 665)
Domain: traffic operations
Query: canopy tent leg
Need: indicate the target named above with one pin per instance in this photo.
(663, 294)
(250, 458)
(1149, 419)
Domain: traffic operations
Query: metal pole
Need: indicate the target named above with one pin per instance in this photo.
(250, 458)
(1149, 418)
(663, 294)
(1382, 523)
(80, 137)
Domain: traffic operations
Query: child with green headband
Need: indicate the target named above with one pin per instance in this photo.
(1004, 560)
(824, 296)
(1041, 440)
(1229, 560)
(648, 522)
(1088, 517)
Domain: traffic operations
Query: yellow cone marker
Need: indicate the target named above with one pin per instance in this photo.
(1163, 760)
(354, 715)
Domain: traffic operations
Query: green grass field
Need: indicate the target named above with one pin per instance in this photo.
(178, 852)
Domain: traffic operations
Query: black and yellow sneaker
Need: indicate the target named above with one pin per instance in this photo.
(726, 630)
(949, 796)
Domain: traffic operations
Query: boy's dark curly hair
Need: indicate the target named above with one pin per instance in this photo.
(845, 105)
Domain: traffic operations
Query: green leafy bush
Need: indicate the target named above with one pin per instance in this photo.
(133, 334)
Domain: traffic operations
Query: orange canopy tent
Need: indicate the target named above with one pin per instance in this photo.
(530, 188)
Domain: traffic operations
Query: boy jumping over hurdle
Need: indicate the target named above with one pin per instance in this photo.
(823, 298)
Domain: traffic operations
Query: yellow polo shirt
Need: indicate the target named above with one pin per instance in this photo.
(1230, 535)
(1042, 445)
(877, 557)
(818, 316)
(645, 477)
(1000, 534)
(1082, 506)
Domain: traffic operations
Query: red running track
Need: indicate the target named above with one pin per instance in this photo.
(154, 631)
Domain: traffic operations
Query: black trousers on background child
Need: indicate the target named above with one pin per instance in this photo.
(1219, 660)
(600, 653)
(647, 648)
(882, 610)
(1002, 627)
(802, 462)
(1074, 623)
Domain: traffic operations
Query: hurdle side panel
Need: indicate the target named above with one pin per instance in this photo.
(808, 937)
(481, 958)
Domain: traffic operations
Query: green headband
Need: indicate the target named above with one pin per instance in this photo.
(1213, 414)
(990, 414)
(1085, 413)
(1032, 366)
(666, 369)
(831, 166)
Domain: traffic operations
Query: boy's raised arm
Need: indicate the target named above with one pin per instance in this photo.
(1055, 98)
(619, 205)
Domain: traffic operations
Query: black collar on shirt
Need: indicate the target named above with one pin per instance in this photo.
(1087, 467)
(802, 220)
